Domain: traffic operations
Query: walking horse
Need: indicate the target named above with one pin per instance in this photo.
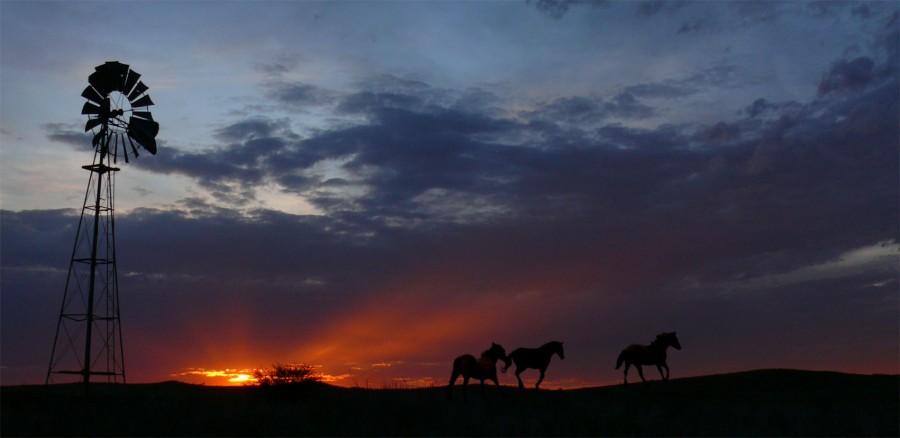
(482, 368)
(537, 358)
(653, 354)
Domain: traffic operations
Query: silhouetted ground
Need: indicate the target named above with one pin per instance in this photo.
(765, 402)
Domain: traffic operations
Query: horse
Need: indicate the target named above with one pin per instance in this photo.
(537, 358)
(482, 368)
(653, 354)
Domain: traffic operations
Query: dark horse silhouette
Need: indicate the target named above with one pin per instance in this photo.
(482, 368)
(653, 354)
(537, 358)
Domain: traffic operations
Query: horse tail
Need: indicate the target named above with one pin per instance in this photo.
(620, 359)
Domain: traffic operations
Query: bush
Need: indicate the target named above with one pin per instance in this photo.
(286, 374)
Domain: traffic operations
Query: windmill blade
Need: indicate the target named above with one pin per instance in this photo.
(91, 94)
(100, 82)
(144, 128)
(150, 146)
(91, 124)
(143, 132)
(132, 79)
(115, 150)
(108, 77)
(90, 108)
(143, 114)
(139, 89)
(148, 143)
(121, 77)
(133, 148)
(144, 101)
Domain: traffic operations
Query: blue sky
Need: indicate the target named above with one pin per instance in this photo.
(360, 175)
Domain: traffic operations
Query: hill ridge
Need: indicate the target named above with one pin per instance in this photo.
(755, 402)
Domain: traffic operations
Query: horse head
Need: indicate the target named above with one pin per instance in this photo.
(497, 352)
(558, 349)
(669, 339)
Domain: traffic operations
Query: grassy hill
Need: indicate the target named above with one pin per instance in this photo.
(764, 402)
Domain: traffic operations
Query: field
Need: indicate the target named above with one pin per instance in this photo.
(764, 402)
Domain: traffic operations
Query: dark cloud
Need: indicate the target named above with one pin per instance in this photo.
(655, 7)
(587, 111)
(670, 89)
(553, 8)
(67, 134)
(369, 102)
(625, 105)
(422, 152)
(556, 9)
(692, 27)
(714, 77)
(758, 107)
(753, 13)
(851, 75)
(280, 66)
(762, 108)
(248, 130)
(720, 132)
(718, 76)
(298, 94)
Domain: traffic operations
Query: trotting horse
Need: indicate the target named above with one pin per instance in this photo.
(537, 358)
(482, 368)
(653, 354)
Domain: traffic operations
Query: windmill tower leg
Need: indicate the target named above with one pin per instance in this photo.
(88, 339)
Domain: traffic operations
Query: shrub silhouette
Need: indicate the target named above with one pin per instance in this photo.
(286, 374)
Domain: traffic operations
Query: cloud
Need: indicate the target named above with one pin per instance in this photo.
(68, 134)
(249, 129)
(417, 154)
(655, 7)
(557, 9)
(279, 67)
(851, 75)
(299, 94)
(692, 27)
(720, 133)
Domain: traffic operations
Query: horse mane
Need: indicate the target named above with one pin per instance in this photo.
(552, 344)
(662, 339)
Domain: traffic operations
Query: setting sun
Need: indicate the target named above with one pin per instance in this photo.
(242, 378)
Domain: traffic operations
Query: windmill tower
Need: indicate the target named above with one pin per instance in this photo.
(88, 339)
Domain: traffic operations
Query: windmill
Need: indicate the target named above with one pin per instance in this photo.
(88, 339)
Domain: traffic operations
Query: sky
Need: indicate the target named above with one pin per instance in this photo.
(375, 188)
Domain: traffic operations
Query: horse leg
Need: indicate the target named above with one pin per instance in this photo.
(453, 376)
(640, 372)
(482, 389)
(540, 379)
(499, 389)
(660, 367)
(627, 366)
(464, 386)
(519, 371)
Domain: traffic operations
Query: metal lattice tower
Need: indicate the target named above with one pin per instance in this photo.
(88, 339)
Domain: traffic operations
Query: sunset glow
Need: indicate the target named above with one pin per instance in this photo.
(217, 377)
